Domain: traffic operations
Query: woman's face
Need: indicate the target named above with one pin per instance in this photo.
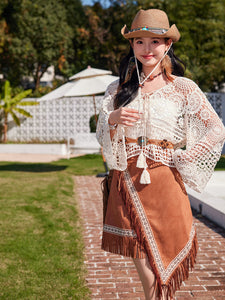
(149, 50)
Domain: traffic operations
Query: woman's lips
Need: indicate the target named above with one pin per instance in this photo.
(147, 56)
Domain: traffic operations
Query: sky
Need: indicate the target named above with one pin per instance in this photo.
(104, 3)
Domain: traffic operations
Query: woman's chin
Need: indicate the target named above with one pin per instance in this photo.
(149, 64)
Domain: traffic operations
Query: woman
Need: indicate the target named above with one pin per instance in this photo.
(147, 119)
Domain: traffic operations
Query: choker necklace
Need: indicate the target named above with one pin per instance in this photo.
(151, 77)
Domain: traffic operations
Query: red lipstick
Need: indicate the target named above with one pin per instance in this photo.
(147, 56)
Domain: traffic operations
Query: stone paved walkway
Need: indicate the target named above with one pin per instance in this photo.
(114, 277)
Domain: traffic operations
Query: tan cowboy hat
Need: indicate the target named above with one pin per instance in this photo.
(151, 23)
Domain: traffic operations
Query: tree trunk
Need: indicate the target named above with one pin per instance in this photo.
(5, 129)
(37, 77)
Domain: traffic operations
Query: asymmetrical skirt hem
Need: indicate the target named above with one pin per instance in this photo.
(153, 221)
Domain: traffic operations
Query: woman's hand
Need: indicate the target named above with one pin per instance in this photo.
(125, 116)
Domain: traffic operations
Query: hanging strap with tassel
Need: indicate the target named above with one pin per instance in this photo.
(141, 161)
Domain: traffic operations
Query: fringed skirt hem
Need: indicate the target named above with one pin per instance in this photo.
(159, 217)
(125, 246)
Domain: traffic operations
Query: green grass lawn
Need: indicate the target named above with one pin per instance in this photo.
(41, 246)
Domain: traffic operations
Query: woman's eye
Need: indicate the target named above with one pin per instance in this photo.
(155, 42)
(139, 42)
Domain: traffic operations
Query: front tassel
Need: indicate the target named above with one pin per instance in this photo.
(141, 161)
(145, 177)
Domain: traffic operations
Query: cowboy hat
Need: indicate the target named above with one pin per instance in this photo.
(151, 23)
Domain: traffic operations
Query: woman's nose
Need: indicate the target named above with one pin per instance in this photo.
(147, 48)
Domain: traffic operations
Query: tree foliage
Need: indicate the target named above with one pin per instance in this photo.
(39, 37)
(63, 33)
(202, 27)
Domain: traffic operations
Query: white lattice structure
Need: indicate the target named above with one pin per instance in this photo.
(56, 120)
(218, 102)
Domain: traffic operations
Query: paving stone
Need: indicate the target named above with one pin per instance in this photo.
(115, 277)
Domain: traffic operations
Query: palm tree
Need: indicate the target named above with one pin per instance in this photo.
(9, 105)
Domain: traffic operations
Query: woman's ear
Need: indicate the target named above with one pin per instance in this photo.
(168, 43)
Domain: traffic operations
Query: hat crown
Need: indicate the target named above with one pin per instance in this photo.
(152, 18)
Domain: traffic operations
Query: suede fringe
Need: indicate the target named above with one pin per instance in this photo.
(122, 245)
(182, 271)
(136, 224)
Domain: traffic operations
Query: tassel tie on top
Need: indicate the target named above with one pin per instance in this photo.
(141, 161)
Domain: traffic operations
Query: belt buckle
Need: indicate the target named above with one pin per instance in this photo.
(142, 141)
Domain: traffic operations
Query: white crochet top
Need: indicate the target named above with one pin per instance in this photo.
(178, 112)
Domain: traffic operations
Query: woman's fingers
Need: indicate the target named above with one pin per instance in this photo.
(128, 123)
(124, 116)
(133, 114)
(131, 119)
(129, 109)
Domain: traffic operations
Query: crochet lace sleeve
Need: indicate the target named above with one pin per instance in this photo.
(205, 135)
(113, 150)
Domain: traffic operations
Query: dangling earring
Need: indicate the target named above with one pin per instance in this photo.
(130, 68)
(167, 67)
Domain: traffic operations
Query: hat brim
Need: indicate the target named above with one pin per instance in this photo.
(172, 33)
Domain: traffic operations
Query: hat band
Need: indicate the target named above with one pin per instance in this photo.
(151, 29)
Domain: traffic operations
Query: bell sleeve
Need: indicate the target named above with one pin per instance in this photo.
(113, 148)
(205, 136)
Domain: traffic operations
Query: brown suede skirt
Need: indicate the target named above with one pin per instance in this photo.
(153, 220)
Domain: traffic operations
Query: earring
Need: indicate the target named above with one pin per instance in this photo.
(130, 68)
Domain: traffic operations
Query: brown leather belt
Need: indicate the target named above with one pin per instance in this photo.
(143, 141)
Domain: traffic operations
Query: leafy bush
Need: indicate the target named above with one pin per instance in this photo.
(92, 123)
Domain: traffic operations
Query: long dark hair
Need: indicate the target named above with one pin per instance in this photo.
(127, 91)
